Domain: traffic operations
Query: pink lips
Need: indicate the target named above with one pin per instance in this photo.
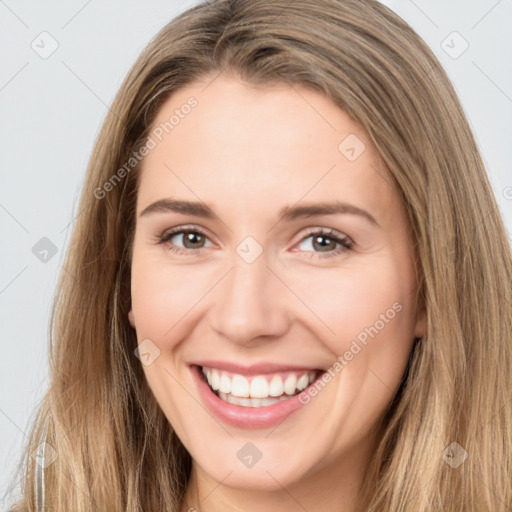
(246, 417)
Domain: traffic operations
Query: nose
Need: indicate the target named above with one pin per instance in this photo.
(250, 303)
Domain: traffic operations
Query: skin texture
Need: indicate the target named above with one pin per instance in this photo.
(248, 152)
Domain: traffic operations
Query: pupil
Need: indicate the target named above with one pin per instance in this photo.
(323, 247)
(191, 238)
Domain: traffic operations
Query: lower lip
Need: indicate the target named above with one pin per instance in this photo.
(246, 417)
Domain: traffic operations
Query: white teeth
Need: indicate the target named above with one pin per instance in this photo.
(276, 386)
(225, 384)
(261, 389)
(303, 382)
(250, 402)
(213, 379)
(290, 384)
(240, 386)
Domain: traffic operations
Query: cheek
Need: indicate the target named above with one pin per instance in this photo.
(164, 296)
(363, 307)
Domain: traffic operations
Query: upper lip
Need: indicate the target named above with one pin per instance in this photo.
(252, 369)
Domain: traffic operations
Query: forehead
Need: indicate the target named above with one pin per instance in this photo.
(250, 147)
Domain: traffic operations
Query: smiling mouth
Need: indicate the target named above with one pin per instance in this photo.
(257, 390)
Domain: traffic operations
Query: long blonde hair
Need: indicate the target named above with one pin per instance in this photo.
(115, 449)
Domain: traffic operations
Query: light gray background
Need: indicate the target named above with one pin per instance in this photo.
(51, 111)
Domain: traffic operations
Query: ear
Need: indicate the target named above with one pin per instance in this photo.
(131, 318)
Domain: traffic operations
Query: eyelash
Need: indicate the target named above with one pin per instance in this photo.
(345, 242)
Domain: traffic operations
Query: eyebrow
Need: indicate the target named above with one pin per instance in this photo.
(185, 207)
(287, 213)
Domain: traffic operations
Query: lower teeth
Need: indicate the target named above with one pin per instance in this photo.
(251, 402)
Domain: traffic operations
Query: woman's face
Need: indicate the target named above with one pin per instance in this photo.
(290, 256)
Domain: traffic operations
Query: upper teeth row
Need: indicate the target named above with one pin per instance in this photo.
(259, 386)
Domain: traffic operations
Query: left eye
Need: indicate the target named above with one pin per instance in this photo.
(325, 242)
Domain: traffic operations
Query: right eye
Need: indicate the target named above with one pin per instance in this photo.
(192, 239)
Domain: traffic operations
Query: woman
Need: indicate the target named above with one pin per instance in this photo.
(255, 150)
